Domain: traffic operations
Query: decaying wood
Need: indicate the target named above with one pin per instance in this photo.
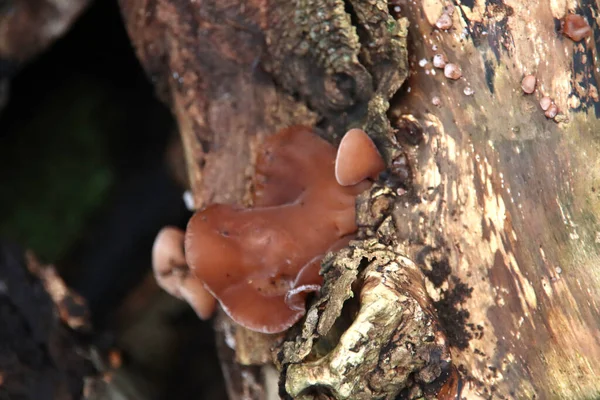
(234, 72)
(205, 60)
(506, 198)
(49, 350)
(41, 356)
(495, 203)
(390, 344)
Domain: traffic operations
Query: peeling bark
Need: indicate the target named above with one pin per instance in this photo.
(391, 343)
(496, 204)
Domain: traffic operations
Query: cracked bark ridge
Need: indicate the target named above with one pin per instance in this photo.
(373, 213)
(208, 60)
(392, 344)
(41, 357)
(384, 52)
(345, 59)
(316, 56)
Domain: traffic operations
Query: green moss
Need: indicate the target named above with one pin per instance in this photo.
(55, 170)
(391, 25)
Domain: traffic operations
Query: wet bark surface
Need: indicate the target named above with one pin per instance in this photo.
(496, 204)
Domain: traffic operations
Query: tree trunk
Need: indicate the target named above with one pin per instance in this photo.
(509, 198)
(498, 208)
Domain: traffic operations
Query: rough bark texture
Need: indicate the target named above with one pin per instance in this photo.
(388, 343)
(234, 72)
(506, 198)
(494, 203)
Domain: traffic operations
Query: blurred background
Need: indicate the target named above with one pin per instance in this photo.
(90, 169)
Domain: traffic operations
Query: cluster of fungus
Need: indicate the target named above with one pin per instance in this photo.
(576, 27)
(528, 84)
(444, 22)
(260, 263)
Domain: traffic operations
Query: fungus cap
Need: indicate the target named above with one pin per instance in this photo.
(576, 27)
(261, 263)
(172, 273)
(357, 158)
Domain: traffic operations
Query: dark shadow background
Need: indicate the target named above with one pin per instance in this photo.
(84, 183)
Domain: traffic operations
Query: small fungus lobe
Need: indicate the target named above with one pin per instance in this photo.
(552, 111)
(439, 61)
(173, 275)
(261, 263)
(452, 71)
(576, 27)
(545, 102)
(357, 158)
(444, 22)
(528, 84)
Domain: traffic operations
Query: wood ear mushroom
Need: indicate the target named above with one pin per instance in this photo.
(260, 263)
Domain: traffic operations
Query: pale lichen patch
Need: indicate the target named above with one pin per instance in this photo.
(388, 340)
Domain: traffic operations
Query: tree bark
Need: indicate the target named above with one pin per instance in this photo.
(495, 204)
(508, 198)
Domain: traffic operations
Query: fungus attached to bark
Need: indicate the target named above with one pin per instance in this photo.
(260, 263)
(444, 22)
(552, 111)
(357, 158)
(439, 61)
(452, 71)
(528, 84)
(173, 275)
(576, 27)
(545, 102)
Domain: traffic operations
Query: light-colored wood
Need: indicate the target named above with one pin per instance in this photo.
(509, 198)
